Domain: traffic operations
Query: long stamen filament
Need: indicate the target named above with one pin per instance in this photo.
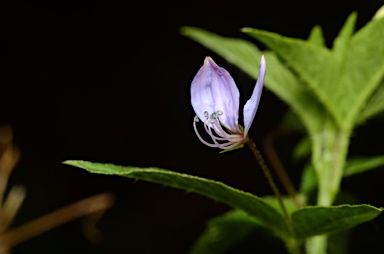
(217, 133)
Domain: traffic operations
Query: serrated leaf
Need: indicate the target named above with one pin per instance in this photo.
(341, 84)
(311, 221)
(315, 64)
(316, 36)
(219, 235)
(218, 191)
(279, 78)
(360, 165)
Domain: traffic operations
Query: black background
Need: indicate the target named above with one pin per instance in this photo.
(109, 81)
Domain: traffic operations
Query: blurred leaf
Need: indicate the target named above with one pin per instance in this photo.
(379, 14)
(291, 122)
(364, 66)
(360, 165)
(341, 42)
(244, 54)
(302, 149)
(316, 36)
(218, 191)
(374, 105)
(338, 243)
(225, 232)
(311, 221)
(279, 78)
(308, 180)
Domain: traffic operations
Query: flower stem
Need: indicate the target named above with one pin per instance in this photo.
(271, 182)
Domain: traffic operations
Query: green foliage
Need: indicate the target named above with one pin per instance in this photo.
(308, 221)
(311, 221)
(342, 79)
(316, 36)
(219, 235)
(218, 191)
(279, 78)
(241, 53)
(330, 91)
(360, 165)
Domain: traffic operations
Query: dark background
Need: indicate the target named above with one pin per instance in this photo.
(109, 81)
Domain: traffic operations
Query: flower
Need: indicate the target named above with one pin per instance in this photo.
(215, 100)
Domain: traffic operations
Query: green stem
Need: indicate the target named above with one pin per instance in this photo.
(330, 150)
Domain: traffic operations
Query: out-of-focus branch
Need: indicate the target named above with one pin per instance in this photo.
(93, 207)
(277, 165)
(47, 222)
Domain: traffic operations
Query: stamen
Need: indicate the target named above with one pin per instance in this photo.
(200, 138)
(217, 133)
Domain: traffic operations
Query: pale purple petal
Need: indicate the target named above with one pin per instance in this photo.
(201, 91)
(252, 104)
(226, 97)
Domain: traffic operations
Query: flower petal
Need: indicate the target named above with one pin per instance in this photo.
(250, 108)
(201, 91)
(226, 96)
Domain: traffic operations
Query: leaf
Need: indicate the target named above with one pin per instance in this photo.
(374, 105)
(360, 165)
(302, 149)
(311, 221)
(289, 204)
(219, 235)
(341, 42)
(342, 84)
(379, 14)
(241, 53)
(218, 191)
(314, 64)
(308, 180)
(316, 36)
(364, 66)
(279, 78)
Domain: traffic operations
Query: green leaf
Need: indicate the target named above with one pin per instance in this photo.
(360, 165)
(314, 64)
(302, 149)
(374, 105)
(308, 180)
(289, 203)
(311, 221)
(342, 79)
(218, 191)
(364, 67)
(379, 14)
(241, 53)
(279, 78)
(316, 36)
(225, 232)
(291, 122)
(341, 42)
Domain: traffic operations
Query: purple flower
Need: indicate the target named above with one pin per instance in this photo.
(215, 99)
